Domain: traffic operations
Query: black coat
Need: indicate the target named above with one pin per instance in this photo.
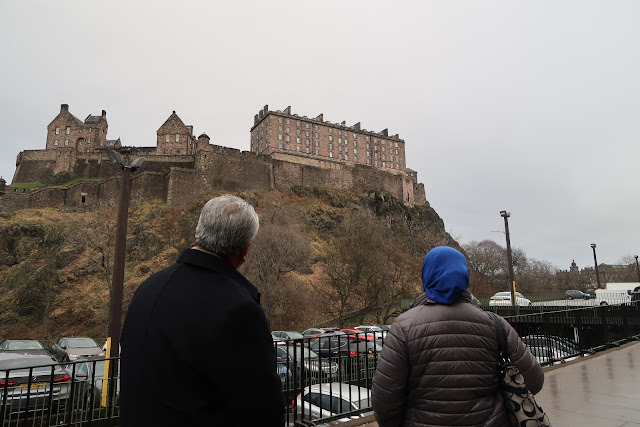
(196, 350)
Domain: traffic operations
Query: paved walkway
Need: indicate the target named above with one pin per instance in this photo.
(596, 391)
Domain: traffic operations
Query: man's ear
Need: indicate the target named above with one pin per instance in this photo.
(243, 254)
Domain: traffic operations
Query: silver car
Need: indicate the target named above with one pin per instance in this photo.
(31, 383)
(330, 399)
(69, 349)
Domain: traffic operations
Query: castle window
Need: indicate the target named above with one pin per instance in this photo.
(166, 139)
(339, 140)
(89, 130)
(330, 153)
(330, 138)
(355, 143)
(384, 157)
(391, 158)
(280, 120)
(375, 148)
(280, 136)
(298, 123)
(307, 150)
(397, 166)
(315, 127)
(55, 142)
(307, 142)
(354, 136)
(298, 140)
(177, 138)
(297, 131)
(376, 163)
(287, 121)
(316, 134)
(330, 130)
(355, 151)
(316, 152)
(279, 128)
(68, 131)
(88, 141)
(396, 151)
(316, 143)
(384, 164)
(298, 148)
(288, 138)
(306, 125)
(375, 140)
(367, 138)
(355, 159)
(279, 144)
(330, 146)
(340, 156)
(66, 142)
(346, 157)
(396, 144)
(375, 155)
(307, 133)
(57, 131)
(368, 161)
(340, 132)
(368, 154)
(288, 148)
(287, 130)
(383, 148)
(339, 147)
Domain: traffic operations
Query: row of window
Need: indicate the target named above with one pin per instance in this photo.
(168, 137)
(340, 132)
(67, 130)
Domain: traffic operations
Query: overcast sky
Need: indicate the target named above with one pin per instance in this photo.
(530, 107)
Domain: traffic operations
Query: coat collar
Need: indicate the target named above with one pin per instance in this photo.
(423, 299)
(213, 263)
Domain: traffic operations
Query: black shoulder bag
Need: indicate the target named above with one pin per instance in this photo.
(521, 407)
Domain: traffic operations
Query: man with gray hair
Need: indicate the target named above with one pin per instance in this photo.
(196, 346)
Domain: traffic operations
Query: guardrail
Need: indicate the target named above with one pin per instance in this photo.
(328, 385)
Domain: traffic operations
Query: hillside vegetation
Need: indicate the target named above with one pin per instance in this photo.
(320, 257)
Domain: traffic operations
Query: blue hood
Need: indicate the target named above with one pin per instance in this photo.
(444, 274)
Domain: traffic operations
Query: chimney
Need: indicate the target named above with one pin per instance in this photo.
(64, 107)
(255, 119)
(356, 126)
(385, 132)
(261, 114)
(320, 117)
(265, 110)
(104, 113)
(288, 110)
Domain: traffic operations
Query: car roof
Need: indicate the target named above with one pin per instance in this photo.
(18, 354)
(341, 390)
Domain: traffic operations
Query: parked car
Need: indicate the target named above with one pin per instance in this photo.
(329, 399)
(316, 331)
(575, 294)
(375, 330)
(89, 383)
(296, 357)
(591, 293)
(68, 349)
(287, 335)
(29, 385)
(548, 355)
(504, 298)
(24, 346)
(344, 347)
(635, 294)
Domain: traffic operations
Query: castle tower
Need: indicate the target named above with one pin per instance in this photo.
(3, 186)
(174, 137)
(68, 131)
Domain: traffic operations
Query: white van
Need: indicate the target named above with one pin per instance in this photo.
(612, 297)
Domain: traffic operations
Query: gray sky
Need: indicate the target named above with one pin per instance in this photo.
(532, 107)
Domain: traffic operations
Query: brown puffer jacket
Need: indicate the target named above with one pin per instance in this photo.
(438, 367)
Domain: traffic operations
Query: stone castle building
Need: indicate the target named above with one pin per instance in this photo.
(286, 151)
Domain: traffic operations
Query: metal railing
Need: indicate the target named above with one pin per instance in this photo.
(62, 394)
(325, 379)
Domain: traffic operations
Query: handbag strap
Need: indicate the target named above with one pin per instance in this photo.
(501, 337)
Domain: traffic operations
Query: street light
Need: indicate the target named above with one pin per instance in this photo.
(117, 284)
(595, 260)
(512, 282)
(637, 267)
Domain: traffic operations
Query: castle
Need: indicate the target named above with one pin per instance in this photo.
(286, 150)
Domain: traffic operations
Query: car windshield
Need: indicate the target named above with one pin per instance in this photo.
(24, 345)
(363, 403)
(26, 362)
(305, 352)
(295, 335)
(81, 343)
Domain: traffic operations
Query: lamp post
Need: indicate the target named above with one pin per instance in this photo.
(595, 260)
(512, 282)
(117, 284)
(637, 267)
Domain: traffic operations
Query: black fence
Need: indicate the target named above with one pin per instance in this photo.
(325, 378)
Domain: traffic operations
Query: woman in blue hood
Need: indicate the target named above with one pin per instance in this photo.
(439, 362)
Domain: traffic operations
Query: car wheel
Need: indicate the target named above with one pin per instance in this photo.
(604, 303)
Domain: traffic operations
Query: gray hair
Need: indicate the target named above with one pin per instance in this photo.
(227, 225)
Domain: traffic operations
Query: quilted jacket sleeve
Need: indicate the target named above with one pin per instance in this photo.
(524, 360)
(389, 388)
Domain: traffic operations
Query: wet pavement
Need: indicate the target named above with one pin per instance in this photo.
(602, 390)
